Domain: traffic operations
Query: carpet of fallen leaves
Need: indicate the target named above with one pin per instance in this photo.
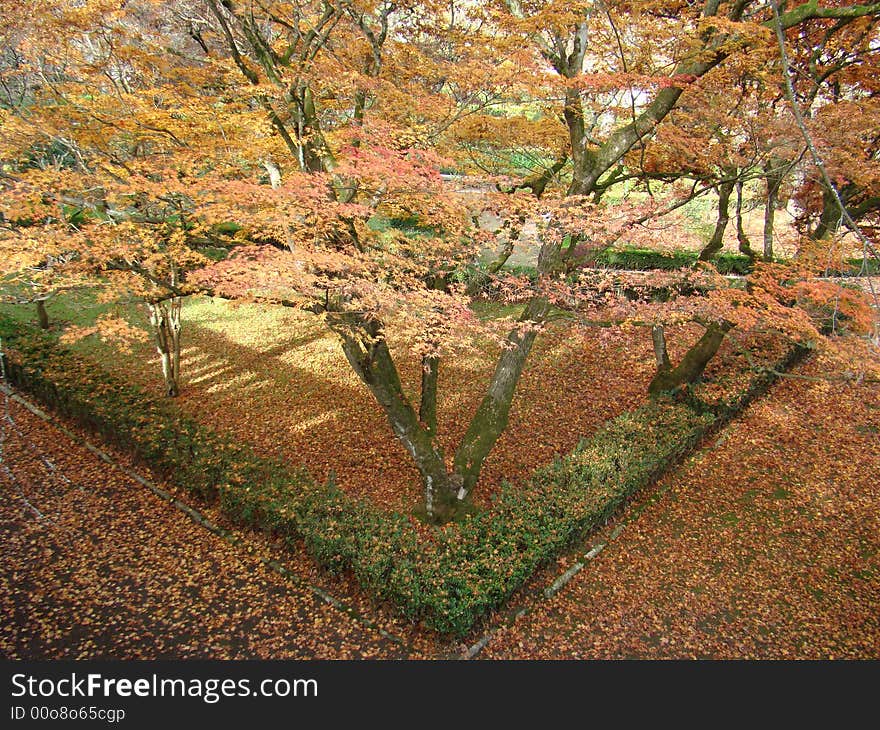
(766, 544)
(277, 379)
(109, 570)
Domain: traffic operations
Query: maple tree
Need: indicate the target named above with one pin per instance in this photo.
(34, 269)
(833, 81)
(82, 135)
(307, 138)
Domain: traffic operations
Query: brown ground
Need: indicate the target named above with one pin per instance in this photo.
(277, 379)
(764, 545)
(108, 570)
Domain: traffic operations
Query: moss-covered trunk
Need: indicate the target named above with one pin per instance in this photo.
(745, 246)
(829, 220)
(365, 348)
(716, 242)
(773, 174)
(446, 490)
(491, 417)
(692, 365)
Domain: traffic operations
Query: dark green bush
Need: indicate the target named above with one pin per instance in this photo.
(641, 259)
(854, 267)
(478, 281)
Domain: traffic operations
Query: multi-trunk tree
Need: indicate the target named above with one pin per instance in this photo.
(308, 137)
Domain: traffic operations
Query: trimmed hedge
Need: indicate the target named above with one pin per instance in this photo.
(640, 259)
(449, 579)
(854, 267)
(643, 259)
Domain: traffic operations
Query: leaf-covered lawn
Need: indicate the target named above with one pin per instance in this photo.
(278, 380)
(764, 545)
(296, 397)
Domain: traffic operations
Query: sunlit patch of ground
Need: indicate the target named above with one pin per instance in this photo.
(277, 379)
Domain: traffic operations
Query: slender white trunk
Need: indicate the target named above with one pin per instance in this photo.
(165, 319)
(274, 173)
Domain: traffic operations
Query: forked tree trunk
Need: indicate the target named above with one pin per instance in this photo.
(367, 352)
(716, 242)
(669, 379)
(588, 166)
(165, 318)
(446, 490)
(312, 152)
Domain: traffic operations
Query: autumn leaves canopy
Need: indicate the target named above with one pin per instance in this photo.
(291, 152)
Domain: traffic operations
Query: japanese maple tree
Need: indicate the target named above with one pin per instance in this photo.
(308, 137)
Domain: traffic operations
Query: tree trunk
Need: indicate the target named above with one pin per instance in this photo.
(773, 174)
(274, 173)
(446, 492)
(428, 405)
(692, 365)
(716, 243)
(586, 174)
(175, 306)
(165, 318)
(538, 182)
(745, 247)
(367, 352)
(490, 420)
(42, 314)
(312, 151)
(831, 216)
(581, 159)
(658, 335)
